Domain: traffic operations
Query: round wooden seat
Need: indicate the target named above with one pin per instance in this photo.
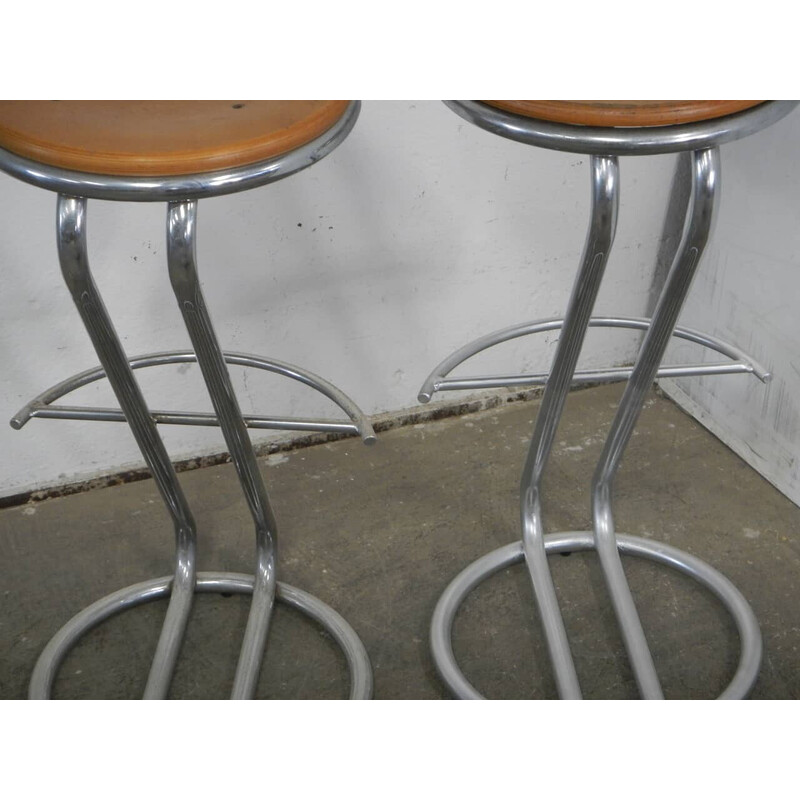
(161, 137)
(623, 113)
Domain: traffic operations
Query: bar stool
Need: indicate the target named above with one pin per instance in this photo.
(605, 130)
(178, 152)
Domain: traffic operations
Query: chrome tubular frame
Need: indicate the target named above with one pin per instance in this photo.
(438, 381)
(181, 224)
(72, 252)
(182, 192)
(42, 407)
(576, 541)
(265, 589)
(705, 180)
(603, 145)
(207, 582)
(605, 202)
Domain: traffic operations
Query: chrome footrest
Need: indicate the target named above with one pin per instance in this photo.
(438, 381)
(43, 406)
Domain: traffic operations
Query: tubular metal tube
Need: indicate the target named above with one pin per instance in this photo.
(46, 669)
(604, 375)
(605, 203)
(362, 424)
(435, 381)
(483, 568)
(100, 414)
(181, 244)
(72, 252)
(705, 181)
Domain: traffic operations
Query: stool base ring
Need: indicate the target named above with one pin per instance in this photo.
(210, 582)
(486, 566)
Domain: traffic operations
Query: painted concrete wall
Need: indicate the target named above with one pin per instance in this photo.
(418, 234)
(747, 292)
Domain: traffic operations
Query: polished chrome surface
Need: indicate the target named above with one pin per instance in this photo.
(535, 545)
(72, 252)
(622, 141)
(705, 184)
(264, 588)
(202, 418)
(182, 191)
(181, 245)
(41, 405)
(574, 541)
(437, 381)
(605, 204)
(118, 369)
(180, 187)
(50, 660)
(590, 376)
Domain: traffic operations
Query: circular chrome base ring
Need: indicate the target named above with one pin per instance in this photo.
(44, 672)
(477, 572)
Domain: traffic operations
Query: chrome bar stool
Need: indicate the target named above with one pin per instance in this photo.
(604, 131)
(178, 152)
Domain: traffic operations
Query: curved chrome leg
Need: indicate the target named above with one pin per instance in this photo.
(705, 179)
(181, 225)
(605, 203)
(72, 253)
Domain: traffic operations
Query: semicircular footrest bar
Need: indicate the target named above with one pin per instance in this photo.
(437, 381)
(42, 405)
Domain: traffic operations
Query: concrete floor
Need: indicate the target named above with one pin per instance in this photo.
(379, 532)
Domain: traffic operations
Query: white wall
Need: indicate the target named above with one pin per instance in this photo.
(746, 292)
(418, 234)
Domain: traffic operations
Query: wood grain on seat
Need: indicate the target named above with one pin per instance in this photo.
(623, 113)
(161, 137)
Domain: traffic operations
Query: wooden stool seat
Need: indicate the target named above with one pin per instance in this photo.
(623, 113)
(161, 137)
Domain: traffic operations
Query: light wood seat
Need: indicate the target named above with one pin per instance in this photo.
(623, 113)
(161, 137)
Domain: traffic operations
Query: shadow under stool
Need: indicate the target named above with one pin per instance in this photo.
(606, 130)
(178, 152)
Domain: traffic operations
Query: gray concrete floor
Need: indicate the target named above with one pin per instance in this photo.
(379, 532)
